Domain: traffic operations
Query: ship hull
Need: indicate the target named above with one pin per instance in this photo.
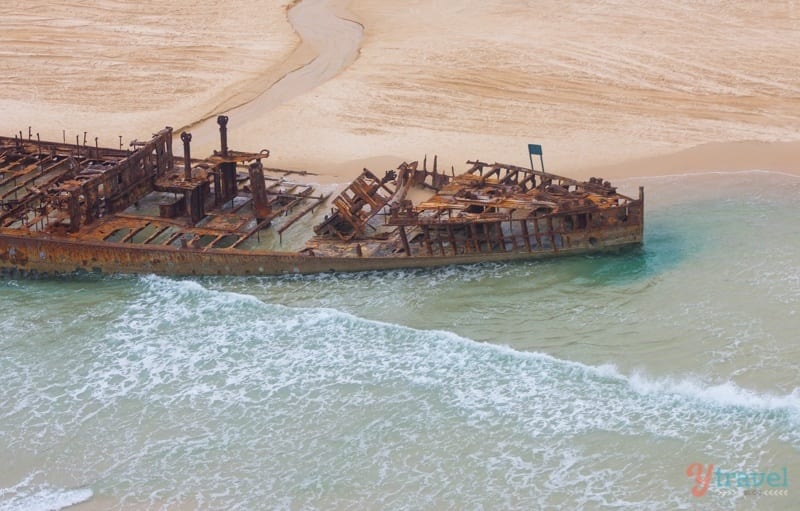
(73, 209)
(38, 255)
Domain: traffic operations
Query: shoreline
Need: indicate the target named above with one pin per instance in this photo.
(429, 79)
(717, 157)
(780, 157)
(349, 134)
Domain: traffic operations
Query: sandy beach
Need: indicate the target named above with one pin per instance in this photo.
(610, 88)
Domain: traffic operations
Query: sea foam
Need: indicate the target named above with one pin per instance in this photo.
(225, 398)
(27, 496)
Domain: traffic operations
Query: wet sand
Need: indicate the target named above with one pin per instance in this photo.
(610, 89)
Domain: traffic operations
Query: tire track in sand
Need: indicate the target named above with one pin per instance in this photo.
(329, 44)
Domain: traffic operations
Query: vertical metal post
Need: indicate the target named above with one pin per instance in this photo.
(452, 239)
(218, 199)
(525, 234)
(427, 239)
(641, 200)
(500, 238)
(187, 155)
(168, 149)
(475, 239)
(537, 233)
(536, 149)
(222, 120)
(258, 188)
(228, 168)
(74, 210)
(404, 240)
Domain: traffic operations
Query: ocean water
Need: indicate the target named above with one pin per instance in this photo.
(580, 383)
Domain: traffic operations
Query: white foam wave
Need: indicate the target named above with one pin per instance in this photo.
(726, 394)
(27, 497)
(225, 398)
(723, 394)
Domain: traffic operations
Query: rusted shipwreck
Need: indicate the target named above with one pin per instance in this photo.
(83, 208)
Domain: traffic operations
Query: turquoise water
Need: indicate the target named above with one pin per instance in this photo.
(581, 383)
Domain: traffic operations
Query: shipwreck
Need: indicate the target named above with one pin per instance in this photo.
(79, 207)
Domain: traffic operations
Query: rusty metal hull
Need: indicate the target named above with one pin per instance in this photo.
(42, 255)
(68, 208)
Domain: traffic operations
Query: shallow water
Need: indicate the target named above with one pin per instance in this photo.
(581, 383)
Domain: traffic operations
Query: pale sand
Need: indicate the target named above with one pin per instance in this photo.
(608, 87)
(130, 68)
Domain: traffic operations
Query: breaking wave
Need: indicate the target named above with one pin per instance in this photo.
(27, 496)
(187, 394)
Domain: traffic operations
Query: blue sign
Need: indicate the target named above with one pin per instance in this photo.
(535, 149)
